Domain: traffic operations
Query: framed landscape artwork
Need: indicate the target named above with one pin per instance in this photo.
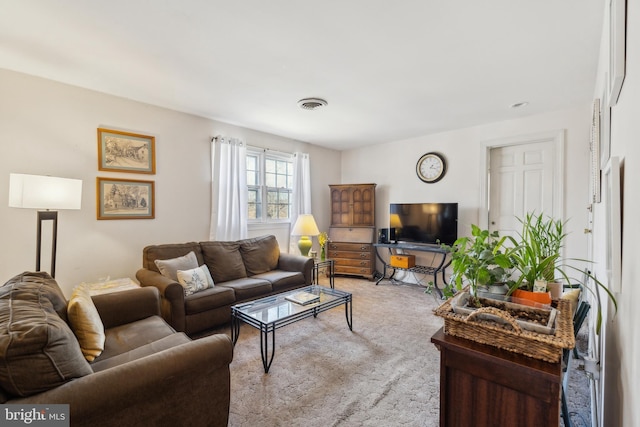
(125, 199)
(126, 152)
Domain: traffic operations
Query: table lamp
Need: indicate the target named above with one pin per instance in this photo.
(305, 226)
(45, 192)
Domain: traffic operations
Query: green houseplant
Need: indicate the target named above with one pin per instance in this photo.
(537, 256)
(480, 260)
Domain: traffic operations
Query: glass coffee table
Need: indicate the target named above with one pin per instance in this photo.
(273, 312)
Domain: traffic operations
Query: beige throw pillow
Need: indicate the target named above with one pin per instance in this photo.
(86, 323)
(195, 280)
(169, 267)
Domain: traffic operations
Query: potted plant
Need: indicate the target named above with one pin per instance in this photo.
(537, 257)
(480, 261)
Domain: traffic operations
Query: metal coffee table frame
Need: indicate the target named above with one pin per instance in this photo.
(286, 313)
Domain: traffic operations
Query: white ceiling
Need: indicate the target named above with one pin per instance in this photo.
(389, 69)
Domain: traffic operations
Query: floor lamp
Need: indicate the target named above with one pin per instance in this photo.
(48, 194)
(305, 226)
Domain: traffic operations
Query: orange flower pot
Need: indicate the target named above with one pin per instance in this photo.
(533, 297)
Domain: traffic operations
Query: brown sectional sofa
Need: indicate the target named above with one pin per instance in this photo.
(241, 270)
(147, 374)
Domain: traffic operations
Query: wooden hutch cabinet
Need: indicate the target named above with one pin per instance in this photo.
(352, 231)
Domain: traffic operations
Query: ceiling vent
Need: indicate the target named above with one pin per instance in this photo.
(312, 103)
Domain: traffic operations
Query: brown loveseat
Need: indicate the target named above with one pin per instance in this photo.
(147, 374)
(241, 270)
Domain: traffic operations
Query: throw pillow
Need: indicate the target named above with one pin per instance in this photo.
(195, 280)
(224, 260)
(260, 254)
(169, 267)
(37, 348)
(86, 323)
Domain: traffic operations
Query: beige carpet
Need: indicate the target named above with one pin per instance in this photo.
(384, 373)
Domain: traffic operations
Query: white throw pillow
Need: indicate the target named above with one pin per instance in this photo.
(195, 280)
(86, 323)
(170, 267)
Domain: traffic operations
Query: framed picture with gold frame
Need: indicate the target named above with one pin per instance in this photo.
(125, 199)
(120, 151)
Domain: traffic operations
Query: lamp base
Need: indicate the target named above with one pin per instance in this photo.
(304, 244)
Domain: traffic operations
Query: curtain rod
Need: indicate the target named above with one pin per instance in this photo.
(218, 137)
(269, 149)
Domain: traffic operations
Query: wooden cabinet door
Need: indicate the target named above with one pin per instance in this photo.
(363, 206)
(340, 206)
(353, 205)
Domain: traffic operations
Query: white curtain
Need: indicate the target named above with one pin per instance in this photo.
(301, 203)
(229, 189)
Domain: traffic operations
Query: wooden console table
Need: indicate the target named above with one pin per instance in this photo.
(481, 385)
(438, 266)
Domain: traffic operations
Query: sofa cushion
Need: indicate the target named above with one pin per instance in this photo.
(248, 288)
(209, 299)
(224, 260)
(195, 280)
(260, 254)
(37, 348)
(170, 267)
(169, 341)
(51, 290)
(86, 323)
(169, 251)
(124, 338)
(282, 280)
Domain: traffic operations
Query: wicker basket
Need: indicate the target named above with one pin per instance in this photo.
(509, 336)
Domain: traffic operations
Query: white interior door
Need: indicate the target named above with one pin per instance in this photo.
(524, 174)
(521, 181)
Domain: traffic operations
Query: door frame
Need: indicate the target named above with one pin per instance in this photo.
(555, 136)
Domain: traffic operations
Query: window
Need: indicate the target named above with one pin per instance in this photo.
(269, 186)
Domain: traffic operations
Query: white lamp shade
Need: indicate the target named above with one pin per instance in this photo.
(44, 192)
(305, 226)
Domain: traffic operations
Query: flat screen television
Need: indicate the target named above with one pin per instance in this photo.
(427, 223)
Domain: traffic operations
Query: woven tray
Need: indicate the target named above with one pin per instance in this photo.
(508, 335)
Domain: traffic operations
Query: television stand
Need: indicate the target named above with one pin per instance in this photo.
(438, 264)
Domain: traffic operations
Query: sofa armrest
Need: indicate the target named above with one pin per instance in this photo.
(172, 296)
(185, 385)
(120, 308)
(291, 262)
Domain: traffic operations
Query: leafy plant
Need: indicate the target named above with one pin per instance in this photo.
(480, 260)
(537, 255)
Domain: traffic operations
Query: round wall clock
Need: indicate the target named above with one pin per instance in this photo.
(431, 167)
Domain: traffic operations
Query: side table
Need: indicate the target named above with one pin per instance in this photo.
(318, 264)
(109, 286)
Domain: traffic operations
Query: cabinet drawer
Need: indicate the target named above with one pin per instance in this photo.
(339, 246)
(345, 262)
(360, 271)
(351, 255)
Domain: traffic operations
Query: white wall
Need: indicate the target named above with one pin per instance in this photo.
(392, 167)
(48, 128)
(621, 332)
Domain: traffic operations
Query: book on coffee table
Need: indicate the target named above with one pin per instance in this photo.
(303, 298)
